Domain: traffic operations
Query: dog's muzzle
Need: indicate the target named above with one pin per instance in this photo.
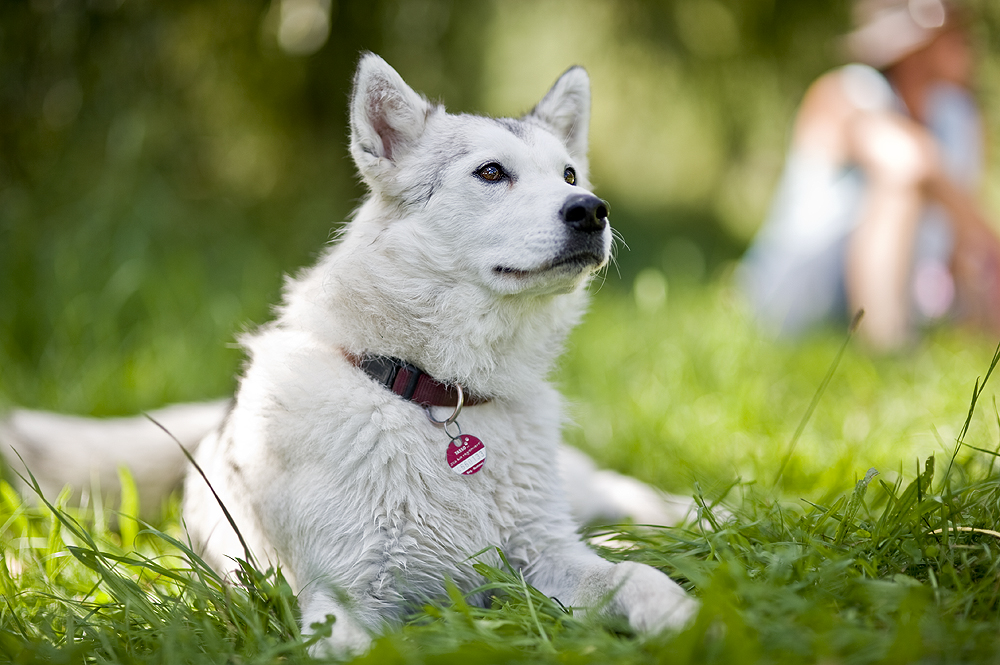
(585, 213)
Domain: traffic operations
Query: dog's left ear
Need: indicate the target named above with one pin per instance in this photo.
(387, 117)
(565, 110)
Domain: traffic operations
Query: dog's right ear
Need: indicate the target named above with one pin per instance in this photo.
(387, 117)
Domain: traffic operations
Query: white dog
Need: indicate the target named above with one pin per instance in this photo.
(447, 298)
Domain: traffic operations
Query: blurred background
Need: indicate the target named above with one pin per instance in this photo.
(163, 164)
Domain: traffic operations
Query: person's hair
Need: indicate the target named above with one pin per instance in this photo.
(887, 31)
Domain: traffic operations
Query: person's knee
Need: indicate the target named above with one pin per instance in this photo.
(894, 152)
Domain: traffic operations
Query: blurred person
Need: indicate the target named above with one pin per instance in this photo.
(876, 209)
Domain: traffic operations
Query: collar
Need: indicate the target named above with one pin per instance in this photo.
(410, 382)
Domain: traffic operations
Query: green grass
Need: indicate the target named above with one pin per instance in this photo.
(829, 562)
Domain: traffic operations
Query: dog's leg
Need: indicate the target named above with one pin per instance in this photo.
(349, 635)
(602, 496)
(650, 600)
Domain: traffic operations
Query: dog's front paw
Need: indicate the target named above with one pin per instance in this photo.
(671, 613)
(651, 601)
(346, 639)
(338, 634)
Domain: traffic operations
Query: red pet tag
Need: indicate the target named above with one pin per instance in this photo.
(466, 454)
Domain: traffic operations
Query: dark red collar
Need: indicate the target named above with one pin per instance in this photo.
(410, 382)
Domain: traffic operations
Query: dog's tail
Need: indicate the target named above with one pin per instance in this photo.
(87, 453)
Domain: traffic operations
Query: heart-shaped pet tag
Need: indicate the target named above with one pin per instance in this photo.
(466, 454)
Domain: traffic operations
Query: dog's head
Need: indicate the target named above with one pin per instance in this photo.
(502, 203)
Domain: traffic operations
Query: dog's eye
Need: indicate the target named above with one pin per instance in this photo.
(569, 175)
(491, 172)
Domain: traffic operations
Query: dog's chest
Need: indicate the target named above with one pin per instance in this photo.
(368, 493)
(430, 520)
(422, 487)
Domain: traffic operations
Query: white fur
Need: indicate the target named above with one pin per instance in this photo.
(344, 483)
(87, 453)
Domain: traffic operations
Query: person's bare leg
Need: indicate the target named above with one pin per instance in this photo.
(897, 161)
(878, 264)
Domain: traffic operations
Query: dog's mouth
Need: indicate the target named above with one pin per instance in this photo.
(576, 262)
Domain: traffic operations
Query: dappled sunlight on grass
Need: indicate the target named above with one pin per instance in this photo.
(693, 390)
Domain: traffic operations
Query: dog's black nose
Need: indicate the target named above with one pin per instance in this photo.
(585, 212)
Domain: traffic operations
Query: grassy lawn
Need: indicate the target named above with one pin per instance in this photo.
(820, 560)
(162, 164)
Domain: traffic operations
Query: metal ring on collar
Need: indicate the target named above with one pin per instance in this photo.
(454, 416)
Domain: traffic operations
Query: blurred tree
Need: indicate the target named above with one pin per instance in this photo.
(162, 163)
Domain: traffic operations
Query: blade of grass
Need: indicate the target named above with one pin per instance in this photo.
(816, 397)
(225, 511)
